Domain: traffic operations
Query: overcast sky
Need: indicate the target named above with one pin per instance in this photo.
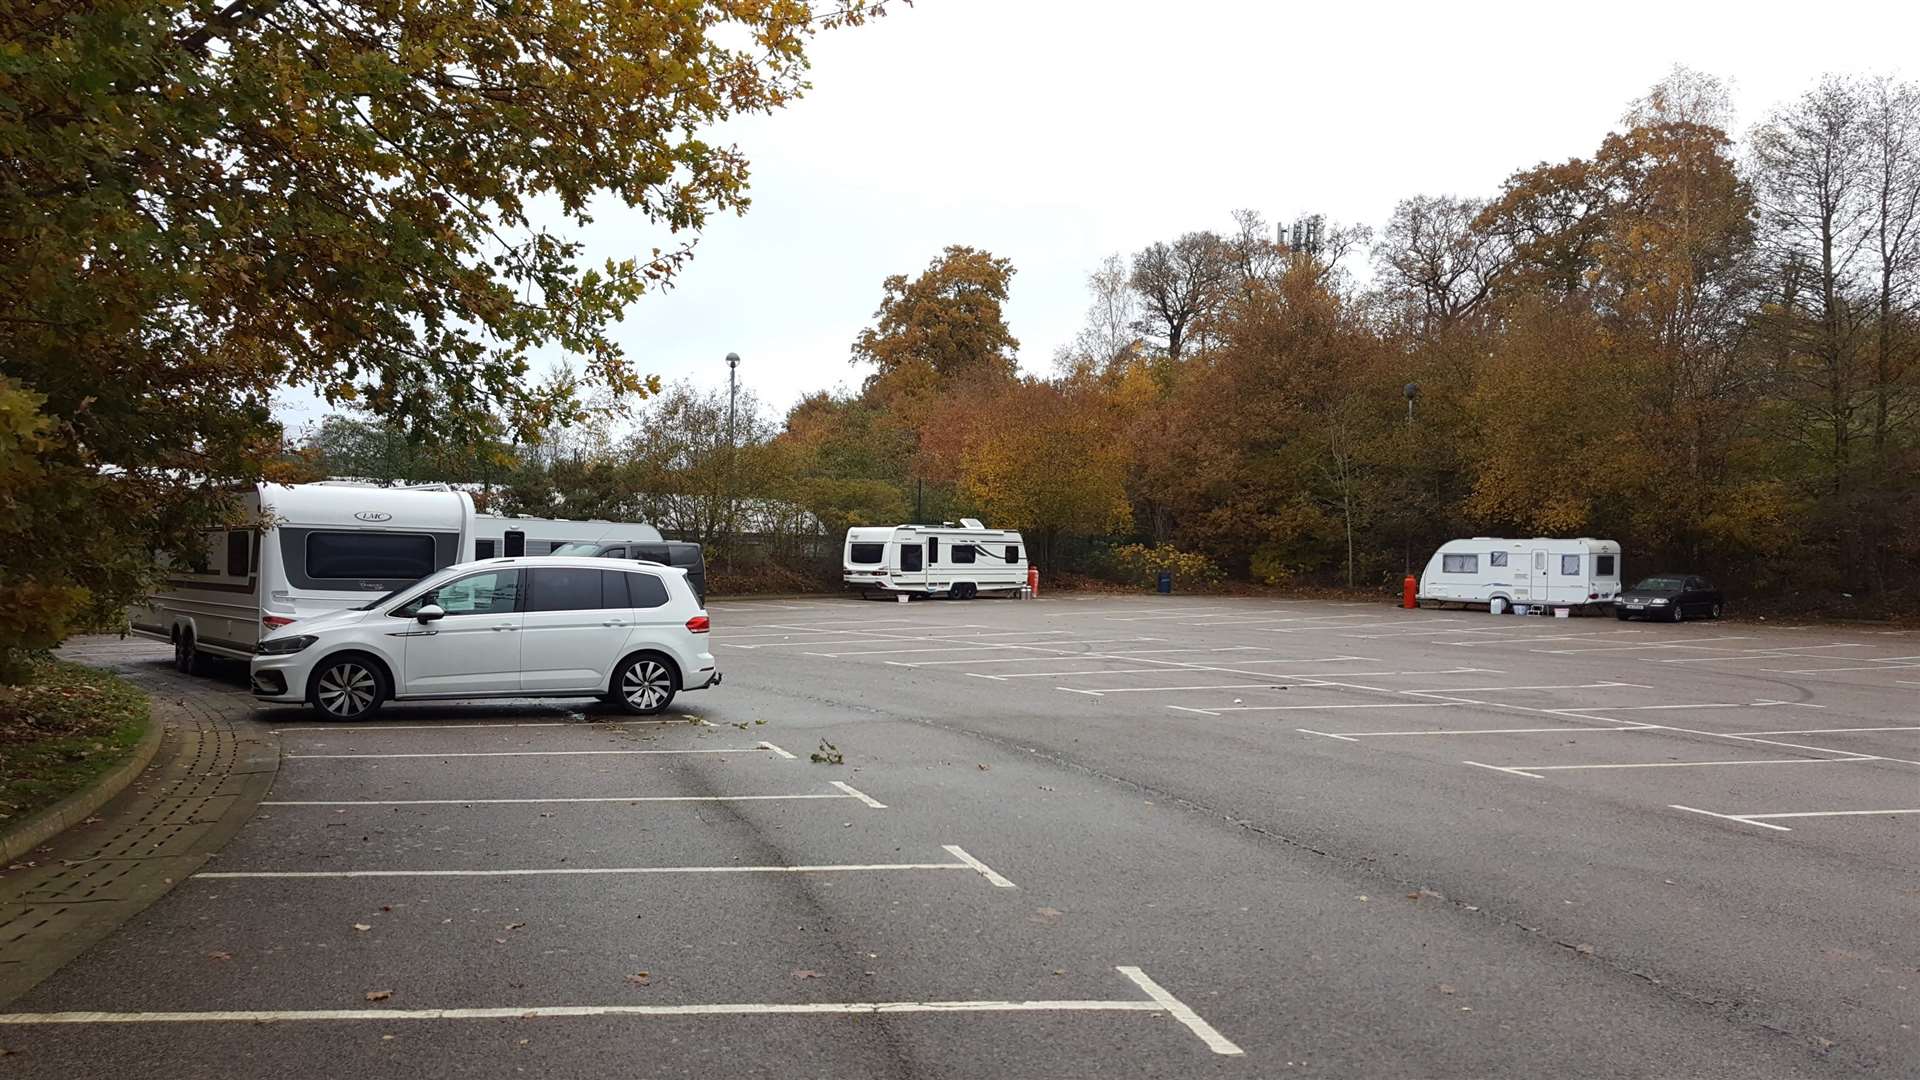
(1055, 132)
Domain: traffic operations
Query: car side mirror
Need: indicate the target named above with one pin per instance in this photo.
(429, 613)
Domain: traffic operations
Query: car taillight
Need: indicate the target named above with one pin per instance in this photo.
(699, 624)
(275, 622)
(1593, 596)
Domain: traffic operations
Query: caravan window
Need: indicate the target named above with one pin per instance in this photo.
(483, 549)
(1603, 566)
(239, 553)
(362, 556)
(866, 554)
(909, 558)
(1569, 566)
(1497, 558)
(1013, 552)
(1459, 564)
(933, 550)
(963, 553)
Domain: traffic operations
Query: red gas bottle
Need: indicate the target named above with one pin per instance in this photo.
(1410, 592)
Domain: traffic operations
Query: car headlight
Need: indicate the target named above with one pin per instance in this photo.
(1658, 600)
(285, 645)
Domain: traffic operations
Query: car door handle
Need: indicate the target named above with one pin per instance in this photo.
(615, 622)
(506, 626)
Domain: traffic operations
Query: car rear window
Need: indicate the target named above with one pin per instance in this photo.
(866, 554)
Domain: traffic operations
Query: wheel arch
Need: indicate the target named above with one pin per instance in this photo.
(673, 668)
(378, 661)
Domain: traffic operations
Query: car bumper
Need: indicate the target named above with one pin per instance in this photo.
(279, 678)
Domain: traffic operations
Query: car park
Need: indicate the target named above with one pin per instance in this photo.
(632, 634)
(1673, 597)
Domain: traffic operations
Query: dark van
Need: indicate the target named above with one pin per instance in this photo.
(678, 553)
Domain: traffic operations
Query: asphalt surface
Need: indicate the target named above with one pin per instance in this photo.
(1117, 836)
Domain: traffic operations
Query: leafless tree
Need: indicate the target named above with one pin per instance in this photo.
(1893, 157)
(1179, 284)
(1110, 333)
(1813, 166)
(1433, 258)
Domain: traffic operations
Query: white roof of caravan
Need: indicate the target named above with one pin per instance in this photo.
(1604, 547)
(364, 507)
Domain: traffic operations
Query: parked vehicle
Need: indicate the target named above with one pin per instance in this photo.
(1541, 572)
(511, 537)
(307, 550)
(680, 553)
(1672, 597)
(312, 549)
(957, 561)
(546, 626)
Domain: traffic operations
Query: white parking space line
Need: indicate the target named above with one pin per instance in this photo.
(1697, 644)
(1892, 663)
(1700, 705)
(1168, 689)
(957, 645)
(1504, 769)
(858, 794)
(1827, 813)
(1828, 731)
(1728, 817)
(776, 750)
(1177, 1009)
(846, 793)
(1352, 735)
(967, 862)
(460, 727)
(1686, 764)
(1558, 686)
(1158, 1000)
(531, 753)
(984, 870)
(1305, 708)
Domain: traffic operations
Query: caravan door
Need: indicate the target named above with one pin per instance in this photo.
(1542, 591)
(911, 571)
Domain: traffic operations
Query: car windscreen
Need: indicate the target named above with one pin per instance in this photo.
(1660, 584)
(866, 554)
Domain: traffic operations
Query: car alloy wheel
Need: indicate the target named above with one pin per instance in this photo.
(1678, 612)
(646, 686)
(1716, 610)
(347, 690)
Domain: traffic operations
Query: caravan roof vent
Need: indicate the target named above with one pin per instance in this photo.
(971, 523)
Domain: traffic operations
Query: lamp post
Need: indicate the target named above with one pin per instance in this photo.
(733, 448)
(1412, 390)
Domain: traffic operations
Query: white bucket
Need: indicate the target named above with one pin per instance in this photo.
(903, 598)
(1561, 613)
(1520, 609)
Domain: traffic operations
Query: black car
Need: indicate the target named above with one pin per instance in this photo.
(1672, 597)
(678, 553)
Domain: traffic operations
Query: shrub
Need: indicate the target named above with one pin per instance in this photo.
(1138, 564)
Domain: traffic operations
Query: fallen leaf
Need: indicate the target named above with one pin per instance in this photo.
(805, 974)
(363, 927)
(1362, 898)
(499, 941)
(1447, 988)
(515, 925)
(638, 978)
(219, 956)
(379, 995)
(984, 766)
(1583, 950)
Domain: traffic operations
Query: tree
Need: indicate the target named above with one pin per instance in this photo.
(1046, 463)
(1437, 259)
(1893, 159)
(202, 203)
(1180, 284)
(948, 320)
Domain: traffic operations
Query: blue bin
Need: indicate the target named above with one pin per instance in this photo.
(1165, 584)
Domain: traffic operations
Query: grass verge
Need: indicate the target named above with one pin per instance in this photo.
(62, 728)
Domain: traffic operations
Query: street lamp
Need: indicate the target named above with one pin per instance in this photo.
(1412, 390)
(733, 450)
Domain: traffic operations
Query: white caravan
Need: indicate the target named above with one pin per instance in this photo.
(309, 549)
(957, 561)
(513, 536)
(1540, 572)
